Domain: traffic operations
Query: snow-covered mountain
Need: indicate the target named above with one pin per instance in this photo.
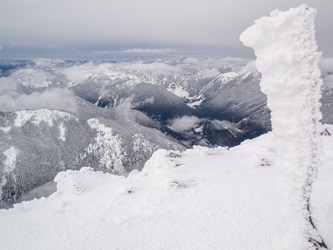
(215, 91)
(196, 101)
(164, 90)
(37, 144)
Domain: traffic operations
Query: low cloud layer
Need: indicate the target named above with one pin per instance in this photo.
(184, 123)
(147, 51)
(80, 73)
(221, 125)
(59, 99)
(139, 51)
(191, 60)
(158, 67)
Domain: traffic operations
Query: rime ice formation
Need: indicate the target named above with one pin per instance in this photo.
(287, 57)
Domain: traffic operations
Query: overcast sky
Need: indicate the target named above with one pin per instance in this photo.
(99, 28)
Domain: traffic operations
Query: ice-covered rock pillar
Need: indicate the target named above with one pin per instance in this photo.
(286, 51)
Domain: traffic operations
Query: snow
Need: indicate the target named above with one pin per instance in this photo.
(200, 199)
(178, 90)
(62, 131)
(38, 116)
(287, 58)
(9, 163)
(321, 198)
(248, 197)
(140, 144)
(222, 79)
(5, 129)
(107, 145)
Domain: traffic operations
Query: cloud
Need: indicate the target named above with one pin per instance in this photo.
(184, 123)
(329, 80)
(138, 51)
(234, 59)
(0, 47)
(124, 109)
(105, 52)
(147, 51)
(14, 44)
(79, 73)
(59, 99)
(206, 72)
(250, 67)
(103, 26)
(326, 65)
(191, 60)
(221, 125)
(7, 85)
(158, 67)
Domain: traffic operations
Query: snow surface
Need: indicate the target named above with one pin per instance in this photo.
(38, 116)
(9, 163)
(322, 194)
(200, 199)
(178, 91)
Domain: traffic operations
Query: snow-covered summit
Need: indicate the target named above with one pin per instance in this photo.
(200, 199)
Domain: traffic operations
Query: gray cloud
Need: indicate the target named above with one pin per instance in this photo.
(127, 25)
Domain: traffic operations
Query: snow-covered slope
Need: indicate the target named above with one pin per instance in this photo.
(37, 144)
(239, 100)
(200, 199)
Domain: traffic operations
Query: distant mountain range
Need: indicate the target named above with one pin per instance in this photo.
(118, 113)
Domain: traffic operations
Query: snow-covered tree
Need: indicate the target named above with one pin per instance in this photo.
(287, 57)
